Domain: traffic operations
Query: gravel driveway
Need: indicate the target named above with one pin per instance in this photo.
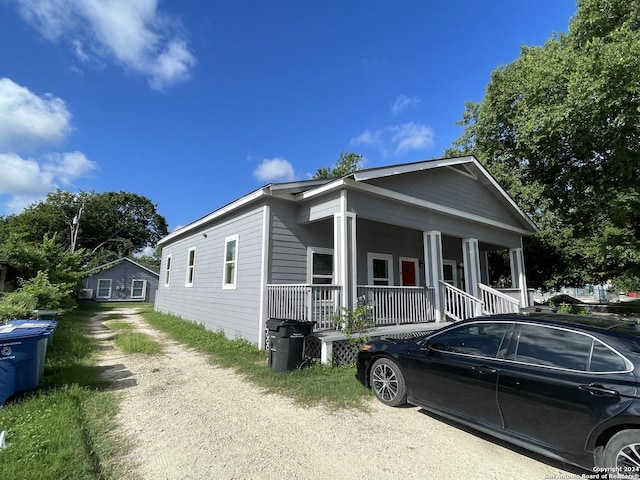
(188, 419)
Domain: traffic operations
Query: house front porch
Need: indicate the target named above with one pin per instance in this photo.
(395, 311)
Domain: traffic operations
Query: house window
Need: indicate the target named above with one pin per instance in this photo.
(320, 266)
(379, 269)
(230, 273)
(167, 271)
(450, 273)
(191, 267)
(138, 289)
(104, 288)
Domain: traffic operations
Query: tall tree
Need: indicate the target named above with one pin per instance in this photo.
(47, 256)
(107, 225)
(347, 163)
(560, 128)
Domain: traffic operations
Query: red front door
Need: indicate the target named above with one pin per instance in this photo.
(408, 273)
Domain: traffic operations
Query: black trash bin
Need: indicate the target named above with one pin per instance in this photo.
(286, 343)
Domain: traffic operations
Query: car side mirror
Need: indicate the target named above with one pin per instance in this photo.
(438, 347)
(427, 348)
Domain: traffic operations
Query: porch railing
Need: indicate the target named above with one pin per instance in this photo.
(458, 304)
(304, 302)
(494, 301)
(396, 305)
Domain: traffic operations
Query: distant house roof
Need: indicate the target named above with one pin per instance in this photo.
(108, 265)
(304, 189)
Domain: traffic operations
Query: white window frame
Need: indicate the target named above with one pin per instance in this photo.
(144, 288)
(167, 271)
(98, 287)
(191, 268)
(371, 256)
(230, 284)
(322, 251)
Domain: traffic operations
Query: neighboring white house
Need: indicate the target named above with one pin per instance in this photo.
(409, 240)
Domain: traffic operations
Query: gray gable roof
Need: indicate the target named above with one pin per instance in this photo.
(303, 189)
(108, 265)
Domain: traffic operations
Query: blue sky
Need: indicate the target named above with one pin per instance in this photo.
(193, 104)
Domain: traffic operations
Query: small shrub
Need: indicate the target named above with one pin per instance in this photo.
(49, 296)
(354, 323)
(17, 305)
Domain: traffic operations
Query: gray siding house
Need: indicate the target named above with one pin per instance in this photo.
(408, 241)
(120, 280)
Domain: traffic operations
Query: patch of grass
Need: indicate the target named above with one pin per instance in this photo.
(59, 434)
(62, 430)
(133, 342)
(118, 325)
(335, 387)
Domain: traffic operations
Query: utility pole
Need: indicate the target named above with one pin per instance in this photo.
(75, 226)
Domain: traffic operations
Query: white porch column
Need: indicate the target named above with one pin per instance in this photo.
(471, 260)
(344, 241)
(432, 243)
(518, 277)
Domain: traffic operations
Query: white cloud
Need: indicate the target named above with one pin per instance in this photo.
(275, 170)
(412, 136)
(32, 178)
(133, 34)
(22, 176)
(368, 138)
(402, 103)
(28, 123)
(27, 120)
(67, 167)
(17, 203)
(399, 138)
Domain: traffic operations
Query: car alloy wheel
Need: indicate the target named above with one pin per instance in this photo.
(388, 383)
(628, 460)
(622, 454)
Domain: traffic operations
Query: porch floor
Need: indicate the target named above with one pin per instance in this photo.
(329, 339)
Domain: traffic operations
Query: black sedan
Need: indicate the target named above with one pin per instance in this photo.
(565, 386)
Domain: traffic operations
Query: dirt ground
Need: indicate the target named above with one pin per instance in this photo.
(188, 419)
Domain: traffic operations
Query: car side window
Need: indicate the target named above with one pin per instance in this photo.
(603, 359)
(481, 339)
(554, 347)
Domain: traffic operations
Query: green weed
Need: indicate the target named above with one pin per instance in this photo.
(132, 342)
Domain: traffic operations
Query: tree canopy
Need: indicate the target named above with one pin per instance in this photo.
(106, 225)
(560, 128)
(346, 164)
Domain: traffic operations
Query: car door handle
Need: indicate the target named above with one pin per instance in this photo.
(484, 370)
(598, 390)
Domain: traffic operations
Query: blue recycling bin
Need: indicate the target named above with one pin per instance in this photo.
(22, 354)
(49, 324)
(52, 324)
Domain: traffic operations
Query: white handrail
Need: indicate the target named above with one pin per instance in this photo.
(458, 304)
(304, 302)
(495, 302)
